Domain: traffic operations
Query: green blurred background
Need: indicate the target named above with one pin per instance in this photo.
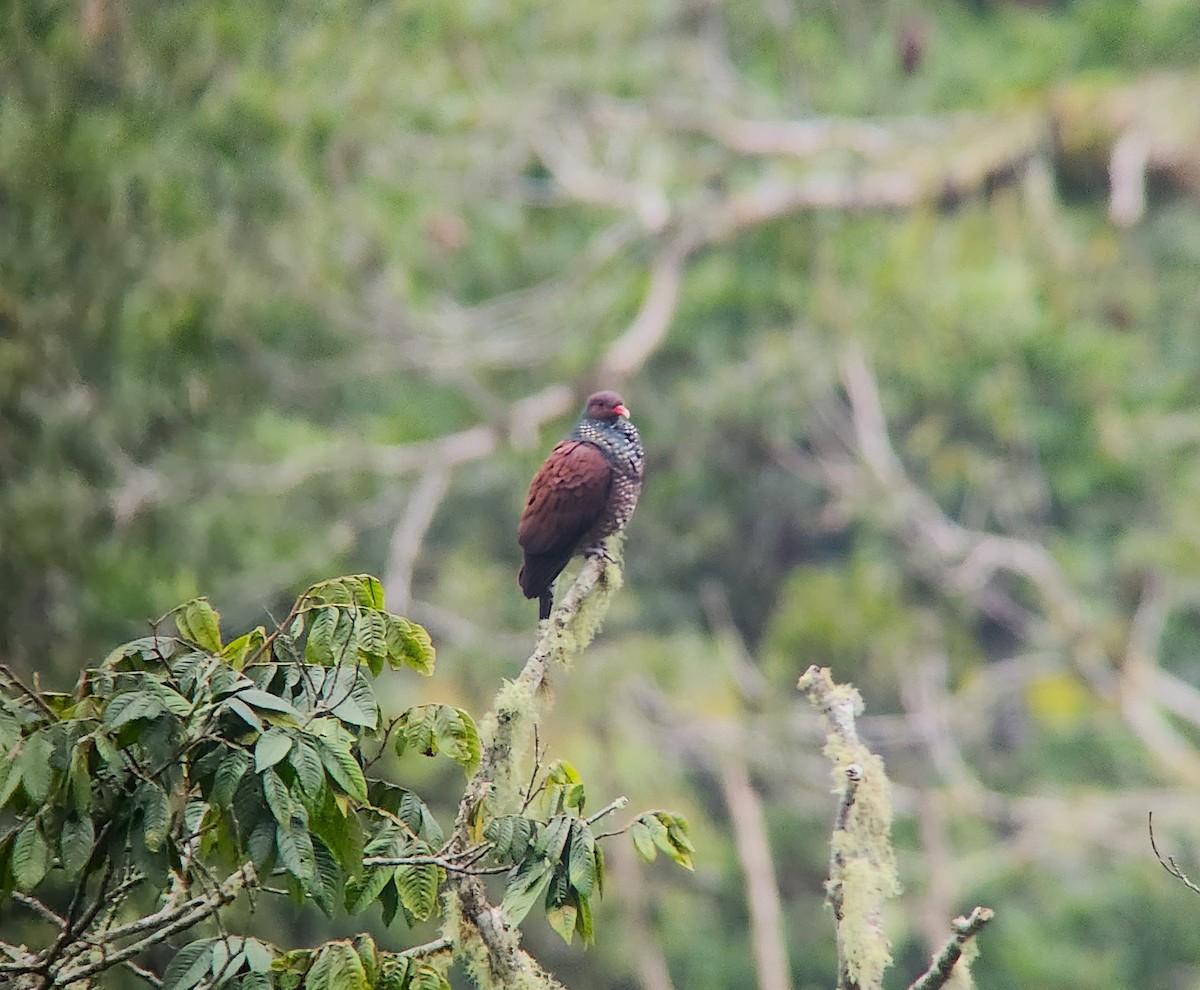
(904, 297)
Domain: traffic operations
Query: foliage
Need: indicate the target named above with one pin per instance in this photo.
(198, 770)
(256, 267)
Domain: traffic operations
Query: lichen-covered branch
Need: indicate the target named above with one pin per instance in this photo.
(487, 945)
(959, 946)
(862, 868)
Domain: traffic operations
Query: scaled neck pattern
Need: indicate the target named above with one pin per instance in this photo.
(619, 441)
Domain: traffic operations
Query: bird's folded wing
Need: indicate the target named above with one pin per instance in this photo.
(567, 497)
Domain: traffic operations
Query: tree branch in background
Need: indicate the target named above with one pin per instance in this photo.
(405, 545)
(1169, 863)
(867, 475)
(758, 874)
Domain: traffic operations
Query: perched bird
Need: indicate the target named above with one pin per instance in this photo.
(585, 491)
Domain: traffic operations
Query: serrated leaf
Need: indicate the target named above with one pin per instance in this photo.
(199, 623)
(30, 857)
(418, 889)
(75, 843)
(191, 964)
(272, 746)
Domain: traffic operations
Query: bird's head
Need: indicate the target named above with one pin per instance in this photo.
(606, 406)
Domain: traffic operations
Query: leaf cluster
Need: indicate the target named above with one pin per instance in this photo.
(182, 759)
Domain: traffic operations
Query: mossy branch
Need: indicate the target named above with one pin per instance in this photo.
(862, 868)
(958, 947)
(487, 945)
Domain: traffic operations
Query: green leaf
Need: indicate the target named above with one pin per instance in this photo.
(583, 921)
(581, 863)
(344, 770)
(199, 623)
(278, 798)
(228, 775)
(156, 815)
(272, 746)
(36, 770)
(244, 647)
(75, 843)
(458, 737)
(370, 636)
(268, 702)
(191, 964)
(562, 920)
(244, 712)
(409, 643)
(326, 883)
(259, 955)
(368, 955)
(526, 886)
(337, 967)
(553, 838)
(30, 857)
(306, 761)
(418, 888)
(321, 646)
(425, 977)
(512, 835)
(362, 891)
(349, 697)
(296, 848)
(79, 780)
(643, 841)
(131, 706)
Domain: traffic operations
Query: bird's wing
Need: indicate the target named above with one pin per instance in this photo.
(567, 497)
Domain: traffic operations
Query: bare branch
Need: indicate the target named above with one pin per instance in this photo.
(1169, 863)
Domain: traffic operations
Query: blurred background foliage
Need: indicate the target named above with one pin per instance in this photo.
(295, 290)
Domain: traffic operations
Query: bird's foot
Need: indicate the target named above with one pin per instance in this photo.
(600, 551)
